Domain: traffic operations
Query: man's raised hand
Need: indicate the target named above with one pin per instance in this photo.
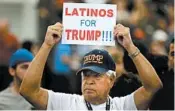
(122, 35)
(53, 34)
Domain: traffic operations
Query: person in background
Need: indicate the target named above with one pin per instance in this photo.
(28, 45)
(48, 75)
(8, 42)
(164, 99)
(122, 11)
(157, 46)
(8, 45)
(129, 76)
(10, 99)
(62, 71)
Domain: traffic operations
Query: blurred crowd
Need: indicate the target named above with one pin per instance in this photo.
(152, 29)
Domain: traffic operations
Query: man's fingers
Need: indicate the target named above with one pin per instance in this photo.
(58, 24)
(115, 27)
(117, 30)
(57, 28)
(121, 30)
(55, 34)
(119, 34)
(59, 31)
(119, 25)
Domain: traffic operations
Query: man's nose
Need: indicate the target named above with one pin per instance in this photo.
(90, 81)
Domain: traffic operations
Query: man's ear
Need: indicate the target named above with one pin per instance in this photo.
(112, 81)
(111, 84)
(11, 71)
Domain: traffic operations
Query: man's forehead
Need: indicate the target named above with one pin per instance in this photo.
(90, 73)
(24, 63)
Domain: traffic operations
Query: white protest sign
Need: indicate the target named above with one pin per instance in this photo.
(88, 24)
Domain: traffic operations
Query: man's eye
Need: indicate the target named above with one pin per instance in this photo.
(24, 66)
(98, 76)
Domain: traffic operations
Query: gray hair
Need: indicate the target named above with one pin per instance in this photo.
(111, 74)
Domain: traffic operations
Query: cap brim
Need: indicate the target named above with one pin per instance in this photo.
(93, 68)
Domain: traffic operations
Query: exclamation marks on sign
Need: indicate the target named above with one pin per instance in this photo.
(110, 37)
(106, 35)
(103, 35)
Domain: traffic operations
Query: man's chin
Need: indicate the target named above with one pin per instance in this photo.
(89, 97)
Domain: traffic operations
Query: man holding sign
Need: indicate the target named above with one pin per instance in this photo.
(90, 24)
(98, 77)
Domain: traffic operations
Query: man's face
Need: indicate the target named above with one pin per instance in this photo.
(95, 86)
(171, 56)
(21, 70)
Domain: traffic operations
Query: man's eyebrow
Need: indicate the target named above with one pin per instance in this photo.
(24, 65)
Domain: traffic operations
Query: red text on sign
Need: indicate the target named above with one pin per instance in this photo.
(91, 35)
(89, 12)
